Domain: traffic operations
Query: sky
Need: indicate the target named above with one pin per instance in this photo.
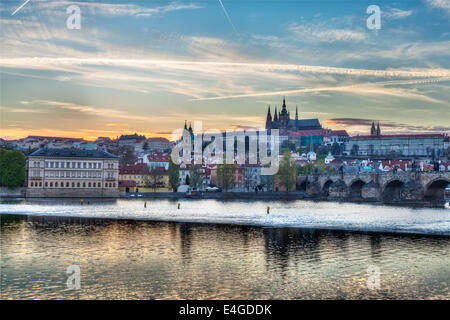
(147, 66)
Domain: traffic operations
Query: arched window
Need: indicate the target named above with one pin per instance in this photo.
(31, 184)
(40, 184)
(84, 184)
(56, 184)
(73, 184)
(67, 184)
(78, 184)
(89, 184)
(51, 184)
(46, 184)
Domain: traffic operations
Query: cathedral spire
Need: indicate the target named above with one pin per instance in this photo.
(185, 125)
(373, 131)
(296, 113)
(269, 119)
(190, 128)
(378, 129)
(275, 115)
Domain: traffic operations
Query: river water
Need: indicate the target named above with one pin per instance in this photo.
(210, 249)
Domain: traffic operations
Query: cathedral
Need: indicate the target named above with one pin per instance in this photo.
(282, 121)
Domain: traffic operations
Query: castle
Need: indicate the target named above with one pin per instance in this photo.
(286, 125)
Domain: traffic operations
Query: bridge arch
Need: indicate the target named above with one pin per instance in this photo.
(301, 185)
(392, 190)
(355, 188)
(435, 189)
(326, 187)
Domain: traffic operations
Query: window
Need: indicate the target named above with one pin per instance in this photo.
(56, 184)
(46, 184)
(95, 165)
(84, 184)
(56, 164)
(84, 165)
(51, 184)
(73, 184)
(99, 165)
(67, 184)
(89, 184)
(73, 165)
(78, 184)
(90, 165)
(40, 184)
(31, 184)
(79, 165)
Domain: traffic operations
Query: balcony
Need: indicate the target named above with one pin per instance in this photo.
(35, 178)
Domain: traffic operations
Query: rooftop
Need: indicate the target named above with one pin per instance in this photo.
(72, 153)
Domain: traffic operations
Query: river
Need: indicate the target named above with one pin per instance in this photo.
(210, 249)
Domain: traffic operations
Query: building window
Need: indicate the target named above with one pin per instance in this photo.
(40, 184)
(46, 184)
(67, 184)
(51, 184)
(84, 165)
(79, 165)
(89, 184)
(99, 165)
(84, 184)
(31, 184)
(73, 184)
(56, 184)
(78, 184)
(90, 165)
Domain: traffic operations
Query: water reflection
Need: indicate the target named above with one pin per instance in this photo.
(128, 259)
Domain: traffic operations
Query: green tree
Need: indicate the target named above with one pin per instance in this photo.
(195, 176)
(336, 149)
(307, 168)
(226, 175)
(288, 171)
(12, 168)
(174, 175)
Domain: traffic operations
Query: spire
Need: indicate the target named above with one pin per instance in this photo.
(275, 115)
(185, 125)
(190, 128)
(378, 129)
(373, 130)
(269, 119)
(296, 113)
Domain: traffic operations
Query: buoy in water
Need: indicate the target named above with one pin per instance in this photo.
(179, 205)
(81, 201)
(145, 204)
(268, 209)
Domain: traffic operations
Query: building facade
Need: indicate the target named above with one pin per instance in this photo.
(407, 145)
(72, 173)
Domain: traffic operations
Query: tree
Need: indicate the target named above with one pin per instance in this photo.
(126, 155)
(145, 146)
(268, 181)
(336, 149)
(195, 177)
(155, 177)
(12, 168)
(288, 171)
(174, 175)
(226, 175)
(306, 169)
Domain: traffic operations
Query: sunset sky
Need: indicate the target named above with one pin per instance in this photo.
(147, 66)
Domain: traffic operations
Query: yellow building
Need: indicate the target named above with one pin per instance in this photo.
(138, 178)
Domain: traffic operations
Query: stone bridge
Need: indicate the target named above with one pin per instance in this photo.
(387, 187)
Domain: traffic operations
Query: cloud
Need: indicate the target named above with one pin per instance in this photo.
(320, 33)
(440, 4)
(395, 13)
(363, 125)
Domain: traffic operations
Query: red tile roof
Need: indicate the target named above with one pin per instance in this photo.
(418, 135)
(140, 168)
(158, 157)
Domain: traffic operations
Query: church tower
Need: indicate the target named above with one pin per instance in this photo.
(269, 120)
(296, 117)
(275, 115)
(373, 131)
(284, 116)
(378, 130)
